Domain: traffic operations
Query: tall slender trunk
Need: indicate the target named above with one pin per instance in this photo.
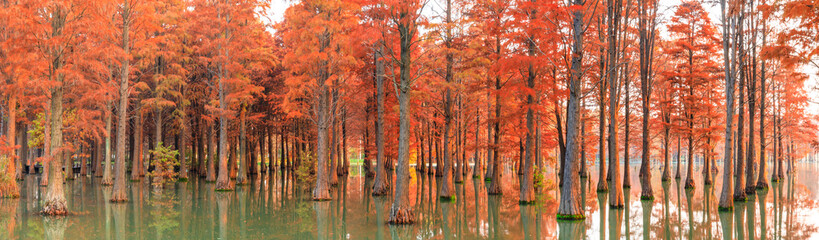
(726, 201)
(477, 169)
(136, 156)
(381, 185)
(55, 203)
(762, 182)
(401, 211)
(627, 127)
(346, 168)
(570, 204)
(119, 194)
(739, 177)
(241, 179)
(616, 194)
(446, 188)
(211, 176)
(106, 161)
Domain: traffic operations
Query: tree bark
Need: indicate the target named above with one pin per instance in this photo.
(401, 211)
(762, 182)
(570, 205)
(381, 186)
(726, 198)
(136, 156)
(616, 194)
(119, 194)
(211, 176)
(241, 178)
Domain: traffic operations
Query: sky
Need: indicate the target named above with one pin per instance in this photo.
(277, 7)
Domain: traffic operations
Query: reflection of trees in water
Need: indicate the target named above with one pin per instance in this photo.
(55, 227)
(8, 218)
(726, 220)
(163, 215)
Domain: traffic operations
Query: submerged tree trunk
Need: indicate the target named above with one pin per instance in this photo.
(570, 204)
(616, 194)
(726, 198)
(495, 187)
(211, 177)
(739, 186)
(381, 185)
(55, 203)
(446, 188)
(241, 178)
(118, 194)
(647, 22)
(136, 156)
(106, 161)
(477, 169)
(527, 188)
(762, 182)
(401, 211)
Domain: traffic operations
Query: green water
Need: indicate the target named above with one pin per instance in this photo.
(276, 207)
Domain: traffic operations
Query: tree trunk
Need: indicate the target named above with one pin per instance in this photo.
(232, 159)
(401, 211)
(627, 126)
(211, 176)
(446, 188)
(241, 179)
(271, 152)
(184, 129)
(527, 185)
(8, 187)
(489, 137)
(332, 170)
(136, 156)
(223, 181)
(679, 152)
(495, 187)
(602, 186)
(201, 142)
(119, 194)
(762, 182)
(726, 198)
(477, 169)
(345, 169)
(106, 168)
(616, 194)
(381, 186)
(739, 186)
(570, 205)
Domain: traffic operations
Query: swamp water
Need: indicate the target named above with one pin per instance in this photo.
(276, 207)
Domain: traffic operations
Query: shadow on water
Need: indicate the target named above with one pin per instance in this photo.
(276, 205)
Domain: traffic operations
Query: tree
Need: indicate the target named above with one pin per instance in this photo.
(405, 17)
(730, 19)
(329, 23)
(58, 22)
(647, 14)
(569, 208)
(692, 45)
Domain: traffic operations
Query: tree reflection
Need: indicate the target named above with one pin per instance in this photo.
(648, 206)
(726, 219)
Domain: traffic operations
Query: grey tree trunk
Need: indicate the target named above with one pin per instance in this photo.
(106, 168)
(726, 198)
(119, 194)
(381, 185)
(616, 194)
(570, 204)
(401, 211)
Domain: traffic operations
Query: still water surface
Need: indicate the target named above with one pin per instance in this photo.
(276, 207)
